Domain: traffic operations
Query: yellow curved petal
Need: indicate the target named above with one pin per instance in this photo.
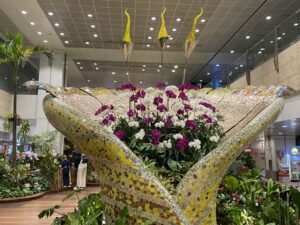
(163, 33)
(192, 35)
(126, 37)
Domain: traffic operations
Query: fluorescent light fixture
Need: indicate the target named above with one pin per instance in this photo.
(81, 67)
(93, 26)
(141, 82)
(232, 51)
(95, 35)
(208, 73)
(173, 71)
(5, 78)
(143, 70)
(203, 21)
(127, 73)
(176, 66)
(241, 65)
(178, 19)
(23, 12)
(220, 81)
(158, 70)
(50, 13)
(236, 68)
(90, 15)
(271, 42)
(174, 29)
(279, 38)
(45, 41)
(259, 52)
(78, 63)
(97, 68)
(151, 28)
(283, 33)
(170, 38)
(87, 42)
(148, 46)
(32, 23)
(247, 37)
(56, 24)
(113, 73)
(284, 126)
(95, 64)
(153, 18)
(62, 34)
(200, 80)
(149, 37)
(168, 46)
(280, 133)
(296, 24)
(160, 66)
(197, 30)
(115, 81)
(88, 81)
(39, 33)
(66, 42)
(217, 65)
(144, 65)
(262, 49)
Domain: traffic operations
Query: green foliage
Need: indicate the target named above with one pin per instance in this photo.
(231, 183)
(14, 174)
(24, 131)
(123, 217)
(48, 212)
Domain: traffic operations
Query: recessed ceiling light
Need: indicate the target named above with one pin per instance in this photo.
(81, 67)
(232, 51)
(39, 33)
(5, 78)
(262, 49)
(158, 70)
(93, 26)
(174, 29)
(294, 124)
(159, 66)
(143, 70)
(90, 15)
(220, 81)
(268, 17)
(115, 81)
(153, 18)
(66, 42)
(87, 42)
(203, 21)
(271, 42)
(50, 13)
(127, 73)
(149, 37)
(280, 133)
(88, 81)
(24, 12)
(78, 63)
(141, 82)
(173, 71)
(296, 24)
(56, 24)
(168, 46)
(248, 37)
(279, 38)
(148, 46)
(170, 38)
(62, 34)
(97, 68)
(208, 73)
(45, 41)
(95, 35)
(113, 73)
(95, 64)
(32, 23)
(176, 66)
(284, 126)
(236, 68)
(200, 80)
(197, 30)
(241, 65)
(217, 65)
(144, 65)
(151, 28)
(283, 34)
(259, 52)
(178, 19)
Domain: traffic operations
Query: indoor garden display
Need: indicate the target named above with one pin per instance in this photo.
(99, 120)
(16, 54)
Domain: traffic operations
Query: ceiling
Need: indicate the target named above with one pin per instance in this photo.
(284, 128)
(223, 28)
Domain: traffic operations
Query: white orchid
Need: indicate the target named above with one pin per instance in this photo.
(195, 144)
(171, 88)
(140, 135)
(180, 123)
(133, 124)
(177, 136)
(214, 138)
(159, 124)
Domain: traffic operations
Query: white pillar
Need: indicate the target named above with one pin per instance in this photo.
(52, 75)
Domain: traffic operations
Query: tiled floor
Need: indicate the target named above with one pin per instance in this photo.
(25, 213)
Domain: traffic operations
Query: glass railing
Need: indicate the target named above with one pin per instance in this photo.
(237, 63)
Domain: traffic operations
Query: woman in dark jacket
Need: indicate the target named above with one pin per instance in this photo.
(66, 166)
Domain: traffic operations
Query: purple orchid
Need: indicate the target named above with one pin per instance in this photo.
(168, 122)
(187, 107)
(132, 113)
(133, 98)
(127, 87)
(191, 125)
(140, 107)
(121, 134)
(162, 108)
(148, 120)
(207, 118)
(157, 100)
(107, 118)
(141, 93)
(104, 108)
(155, 136)
(208, 105)
(161, 85)
(170, 94)
(187, 87)
(182, 143)
(183, 96)
(180, 111)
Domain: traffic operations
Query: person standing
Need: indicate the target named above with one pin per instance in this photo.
(66, 166)
(81, 172)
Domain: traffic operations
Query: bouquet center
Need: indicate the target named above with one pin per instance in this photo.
(164, 129)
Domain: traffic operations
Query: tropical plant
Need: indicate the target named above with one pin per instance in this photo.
(15, 53)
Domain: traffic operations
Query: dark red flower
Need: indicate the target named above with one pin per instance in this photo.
(157, 100)
(168, 122)
(127, 87)
(132, 113)
(148, 120)
(187, 107)
(208, 105)
(161, 85)
(141, 93)
(121, 134)
(155, 136)
(183, 96)
(140, 107)
(207, 118)
(191, 124)
(133, 98)
(187, 87)
(170, 94)
(180, 111)
(162, 108)
(182, 143)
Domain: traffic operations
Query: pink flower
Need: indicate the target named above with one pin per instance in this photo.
(121, 134)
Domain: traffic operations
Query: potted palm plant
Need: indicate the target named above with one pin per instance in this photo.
(15, 53)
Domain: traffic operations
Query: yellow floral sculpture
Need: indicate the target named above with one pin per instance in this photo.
(125, 180)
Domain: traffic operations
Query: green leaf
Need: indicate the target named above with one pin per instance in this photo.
(231, 183)
(174, 165)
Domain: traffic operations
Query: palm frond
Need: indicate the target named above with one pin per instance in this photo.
(5, 61)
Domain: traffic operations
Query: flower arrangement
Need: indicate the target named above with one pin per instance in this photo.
(168, 133)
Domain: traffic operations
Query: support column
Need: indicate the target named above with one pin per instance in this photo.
(53, 75)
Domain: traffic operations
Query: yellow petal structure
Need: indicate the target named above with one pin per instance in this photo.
(126, 37)
(163, 33)
(192, 35)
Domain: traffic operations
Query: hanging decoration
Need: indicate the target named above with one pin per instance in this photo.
(162, 38)
(190, 43)
(127, 45)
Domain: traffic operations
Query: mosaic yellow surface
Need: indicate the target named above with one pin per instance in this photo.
(124, 178)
